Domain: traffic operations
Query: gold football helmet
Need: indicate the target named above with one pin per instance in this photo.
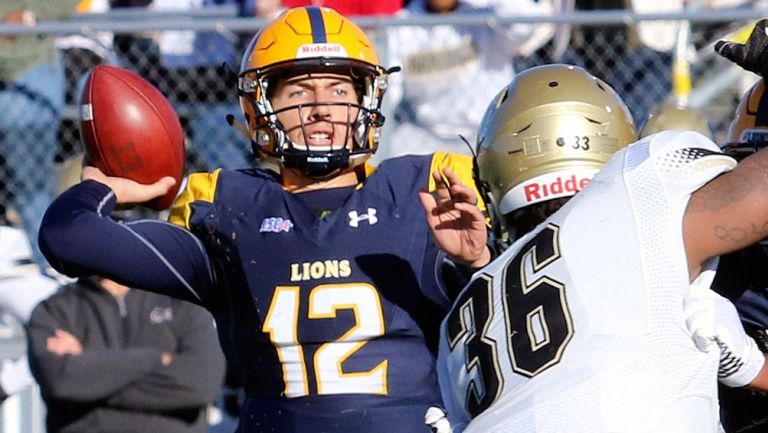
(749, 129)
(311, 40)
(546, 134)
(674, 117)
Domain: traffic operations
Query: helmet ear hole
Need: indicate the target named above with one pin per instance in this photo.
(600, 86)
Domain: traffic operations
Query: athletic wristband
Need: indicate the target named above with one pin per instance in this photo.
(735, 371)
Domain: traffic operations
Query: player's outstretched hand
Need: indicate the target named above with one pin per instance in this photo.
(714, 324)
(456, 222)
(753, 55)
(128, 191)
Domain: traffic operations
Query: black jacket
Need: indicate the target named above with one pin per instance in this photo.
(118, 383)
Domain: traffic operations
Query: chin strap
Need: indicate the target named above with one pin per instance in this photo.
(499, 230)
(318, 165)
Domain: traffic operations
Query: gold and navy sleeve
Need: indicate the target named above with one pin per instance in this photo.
(147, 254)
(461, 165)
(200, 187)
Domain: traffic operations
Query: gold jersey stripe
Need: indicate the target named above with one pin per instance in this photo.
(461, 165)
(200, 187)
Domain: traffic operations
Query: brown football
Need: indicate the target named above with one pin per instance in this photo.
(129, 129)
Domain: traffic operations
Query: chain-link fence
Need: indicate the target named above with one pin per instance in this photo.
(609, 48)
(204, 92)
(203, 89)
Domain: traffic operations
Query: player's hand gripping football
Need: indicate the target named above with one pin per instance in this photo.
(128, 191)
(752, 55)
(456, 222)
(714, 324)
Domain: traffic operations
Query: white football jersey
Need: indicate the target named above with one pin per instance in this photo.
(578, 326)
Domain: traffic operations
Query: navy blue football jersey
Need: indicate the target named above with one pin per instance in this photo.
(331, 317)
(742, 277)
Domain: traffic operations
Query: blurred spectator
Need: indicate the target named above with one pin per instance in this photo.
(83, 51)
(109, 358)
(624, 55)
(22, 287)
(451, 72)
(229, 402)
(351, 7)
(165, 350)
(195, 70)
(198, 72)
(31, 99)
(618, 55)
(267, 9)
(80, 53)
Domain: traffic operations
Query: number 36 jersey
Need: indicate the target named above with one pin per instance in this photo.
(579, 325)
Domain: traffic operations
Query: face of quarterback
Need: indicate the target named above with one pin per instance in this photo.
(320, 116)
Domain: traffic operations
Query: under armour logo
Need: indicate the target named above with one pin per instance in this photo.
(355, 218)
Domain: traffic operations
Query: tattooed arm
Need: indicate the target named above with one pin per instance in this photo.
(728, 213)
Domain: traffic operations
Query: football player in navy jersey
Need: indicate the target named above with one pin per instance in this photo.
(741, 276)
(322, 276)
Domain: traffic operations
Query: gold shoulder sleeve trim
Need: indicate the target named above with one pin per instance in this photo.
(199, 187)
(461, 165)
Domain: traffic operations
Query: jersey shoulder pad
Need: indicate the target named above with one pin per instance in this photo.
(675, 149)
(462, 165)
(683, 160)
(199, 187)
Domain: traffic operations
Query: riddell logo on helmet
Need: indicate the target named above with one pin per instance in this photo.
(562, 185)
(315, 50)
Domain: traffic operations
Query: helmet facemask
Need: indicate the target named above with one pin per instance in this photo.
(362, 123)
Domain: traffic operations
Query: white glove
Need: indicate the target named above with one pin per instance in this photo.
(713, 323)
(436, 420)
